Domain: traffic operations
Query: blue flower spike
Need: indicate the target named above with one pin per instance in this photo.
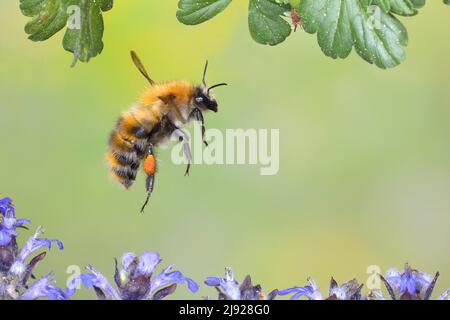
(8, 222)
(409, 285)
(445, 295)
(32, 245)
(350, 290)
(311, 291)
(44, 288)
(15, 272)
(229, 289)
(134, 280)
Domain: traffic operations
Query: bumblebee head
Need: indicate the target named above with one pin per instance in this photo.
(204, 99)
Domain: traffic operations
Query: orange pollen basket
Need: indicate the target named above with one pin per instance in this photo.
(150, 165)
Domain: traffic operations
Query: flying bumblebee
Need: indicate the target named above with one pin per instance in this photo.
(162, 111)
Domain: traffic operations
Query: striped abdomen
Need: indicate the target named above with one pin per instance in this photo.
(128, 144)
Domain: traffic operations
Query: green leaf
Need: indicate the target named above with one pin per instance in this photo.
(82, 17)
(378, 37)
(403, 7)
(418, 3)
(193, 12)
(447, 2)
(106, 5)
(85, 39)
(384, 5)
(400, 7)
(266, 23)
(48, 17)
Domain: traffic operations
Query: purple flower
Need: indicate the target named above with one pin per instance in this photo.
(350, 290)
(311, 291)
(409, 285)
(134, 280)
(165, 278)
(93, 280)
(14, 270)
(6, 205)
(229, 288)
(44, 288)
(445, 295)
(32, 245)
(8, 222)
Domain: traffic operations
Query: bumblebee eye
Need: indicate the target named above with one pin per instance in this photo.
(199, 99)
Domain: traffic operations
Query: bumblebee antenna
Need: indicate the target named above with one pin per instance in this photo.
(204, 74)
(140, 67)
(217, 85)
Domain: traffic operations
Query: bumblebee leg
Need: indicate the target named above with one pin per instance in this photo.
(187, 154)
(149, 186)
(141, 133)
(184, 139)
(150, 170)
(199, 117)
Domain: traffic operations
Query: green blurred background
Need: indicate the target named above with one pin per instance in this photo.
(364, 153)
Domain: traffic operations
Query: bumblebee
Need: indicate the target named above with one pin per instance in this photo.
(161, 112)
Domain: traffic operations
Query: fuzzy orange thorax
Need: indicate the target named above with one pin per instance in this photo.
(181, 92)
